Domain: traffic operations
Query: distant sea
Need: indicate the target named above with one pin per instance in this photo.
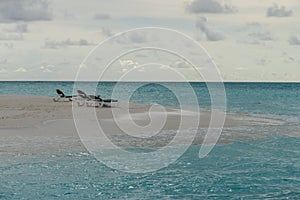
(261, 168)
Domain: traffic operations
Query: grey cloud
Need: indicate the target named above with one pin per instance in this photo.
(213, 36)
(264, 36)
(19, 28)
(294, 40)
(53, 44)
(287, 58)
(25, 10)
(131, 38)
(262, 61)
(201, 23)
(276, 11)
(137, 37)
(101, 16)
(106, 32)
(22, 28)
(209, 6)
(68, 15)
(3, 61)
(253, 25)
(8, 45)
(11, 36)
(209, 34)
(255, 33)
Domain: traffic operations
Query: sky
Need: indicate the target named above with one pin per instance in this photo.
(256, 40)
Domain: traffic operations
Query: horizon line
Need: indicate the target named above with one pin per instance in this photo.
(170, 81)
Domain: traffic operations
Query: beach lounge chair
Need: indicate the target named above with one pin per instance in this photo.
(95, 101)
(62, 97)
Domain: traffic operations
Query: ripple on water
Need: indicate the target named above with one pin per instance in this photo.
(261, 168)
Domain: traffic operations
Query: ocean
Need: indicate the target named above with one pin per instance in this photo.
(263, 164)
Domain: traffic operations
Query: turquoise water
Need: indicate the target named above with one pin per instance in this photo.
(259, 98)
(261, 168)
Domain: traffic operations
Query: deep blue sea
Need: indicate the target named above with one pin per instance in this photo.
(266, 167)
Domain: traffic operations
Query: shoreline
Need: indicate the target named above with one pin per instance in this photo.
(20, 111)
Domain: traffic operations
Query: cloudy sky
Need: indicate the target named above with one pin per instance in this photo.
(256, 40)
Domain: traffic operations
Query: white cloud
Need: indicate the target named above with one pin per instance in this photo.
(3, 71)
(128, 63)
(21, 69)
(241, 68)
(25, 10)
(276, 11)
(209, 6)
(47, 70)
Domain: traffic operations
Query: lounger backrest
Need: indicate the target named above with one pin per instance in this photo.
(95, 97)
(60, 93)
(82, 94)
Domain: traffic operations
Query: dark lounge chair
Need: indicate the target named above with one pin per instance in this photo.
(95, 101)
(62, 97)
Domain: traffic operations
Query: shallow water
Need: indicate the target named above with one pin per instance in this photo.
(260, 162)
(263, 168)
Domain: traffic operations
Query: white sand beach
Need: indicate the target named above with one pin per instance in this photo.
(36, 124)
